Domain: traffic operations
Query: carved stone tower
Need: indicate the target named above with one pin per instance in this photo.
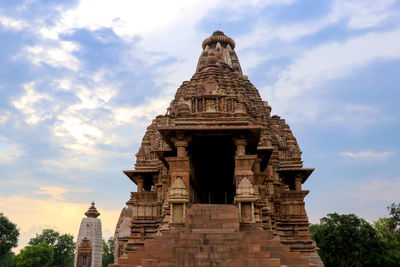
(89, 245)
(219, 180)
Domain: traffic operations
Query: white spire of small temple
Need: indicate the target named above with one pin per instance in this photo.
(89, 244)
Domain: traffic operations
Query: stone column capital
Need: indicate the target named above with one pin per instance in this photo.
(240, 147)
(181, 148)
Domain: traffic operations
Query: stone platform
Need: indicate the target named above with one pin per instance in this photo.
(212, 237)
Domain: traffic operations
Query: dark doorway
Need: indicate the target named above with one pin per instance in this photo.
(213, 164)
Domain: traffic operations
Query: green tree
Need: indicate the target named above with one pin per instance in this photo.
(394, 219)
(389, 231)
(7, 259)
(8, 239)
(62, 246)
(8, 235)
(108, 252)
(347, 240)
(35, 256)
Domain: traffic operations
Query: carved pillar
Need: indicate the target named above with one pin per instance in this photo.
(297, 183)
(179, 167)
(140, 182)
(245, 197)
(181, 148)
(244, 179)
(240, 147)
(178, 199)
(292, 206)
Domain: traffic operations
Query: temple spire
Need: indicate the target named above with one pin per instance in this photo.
(218, 49)
(92, 211)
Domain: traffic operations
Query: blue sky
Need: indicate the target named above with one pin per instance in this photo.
(80, 81)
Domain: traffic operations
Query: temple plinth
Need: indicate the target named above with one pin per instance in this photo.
(218, 178)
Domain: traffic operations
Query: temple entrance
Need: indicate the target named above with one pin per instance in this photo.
(213, 165)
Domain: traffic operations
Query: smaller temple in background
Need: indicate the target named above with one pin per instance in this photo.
(89, 245)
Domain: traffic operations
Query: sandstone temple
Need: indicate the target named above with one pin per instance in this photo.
(219, 180)
(89, 244)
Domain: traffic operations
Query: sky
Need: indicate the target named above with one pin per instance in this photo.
(81, 80)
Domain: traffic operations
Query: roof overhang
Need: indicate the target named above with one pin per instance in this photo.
(135, 174)
(288, 175)
(251, 133)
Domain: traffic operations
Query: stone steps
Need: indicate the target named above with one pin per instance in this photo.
(212, 237)
(219, 263)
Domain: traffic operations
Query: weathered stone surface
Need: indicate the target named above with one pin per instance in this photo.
(89, 244)
(219, 179)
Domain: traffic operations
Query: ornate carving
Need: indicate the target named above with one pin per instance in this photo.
(219, 101)
(178, 190)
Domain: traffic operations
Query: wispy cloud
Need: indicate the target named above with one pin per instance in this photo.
(364, 14)
(9, 152)
(378, 190)
(290, 94)
(59, 215)
(368, 154)
(4, 117)
(12, 24)
(359, 14)
(335, 60)
(58, 55)
(55, 193)
(32, 104)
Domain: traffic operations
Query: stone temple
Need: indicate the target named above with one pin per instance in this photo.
(89, 244)
(219, 180)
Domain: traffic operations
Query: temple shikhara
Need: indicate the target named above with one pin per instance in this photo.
(219, 180)
(89, 244)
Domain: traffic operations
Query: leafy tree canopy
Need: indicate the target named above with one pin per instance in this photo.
(388, 230)
(7, 259)
(347, 240)
(63, 246)
(8, 235)
(108, 252)
(394, 219)
(34, 256)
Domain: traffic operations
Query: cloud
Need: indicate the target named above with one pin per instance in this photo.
(378, 190)
(148, 110)
(126, 18)
(364, 14)
(335, 60)
(33, 215)
(30, 104)
(295, 92)
(12, 24)
(4, 117)
(368, 154)
(9, 152)
(57, 55)
(353, 115)
(359, 14)
(130, 18)
(52, 191)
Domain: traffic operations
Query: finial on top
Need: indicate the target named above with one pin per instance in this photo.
(218, 32)
(218, 36)
(92, 211)
(218, 52)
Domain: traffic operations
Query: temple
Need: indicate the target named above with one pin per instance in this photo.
(219, 180)
(89, 244)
